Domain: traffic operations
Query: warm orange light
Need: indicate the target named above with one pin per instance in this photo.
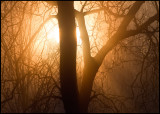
(49, 38)
(79, 42)
(53, 33)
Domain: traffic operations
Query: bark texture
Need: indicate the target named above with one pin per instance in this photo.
(68, 81)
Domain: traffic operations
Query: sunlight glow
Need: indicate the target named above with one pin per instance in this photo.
(53, 33)
(79, 42)
(48, 38)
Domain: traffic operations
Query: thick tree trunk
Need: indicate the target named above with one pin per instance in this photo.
(72, 100)
(90, 66)
(89, 73)
(68, 81)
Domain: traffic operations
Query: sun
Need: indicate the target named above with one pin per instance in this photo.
(53, 33)
(49, 38)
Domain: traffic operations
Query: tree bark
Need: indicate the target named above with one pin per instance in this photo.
(89, 73)
(90, 66)
(68, 81)
(74, 101)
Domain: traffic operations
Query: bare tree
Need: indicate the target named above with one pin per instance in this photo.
(69, 89)
(123, 40)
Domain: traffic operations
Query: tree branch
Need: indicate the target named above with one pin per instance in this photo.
(83, 31)
(113, 41)
(83, 6)
(84, 36)
(8, 11)
(34, 35)
(93, 11)
(131, 14)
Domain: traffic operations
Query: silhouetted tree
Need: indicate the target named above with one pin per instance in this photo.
(31, 84)
(92, 64)
(68, 46)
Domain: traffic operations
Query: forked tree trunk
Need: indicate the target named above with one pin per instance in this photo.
(89, 73)
(90, 66)
(73, 100)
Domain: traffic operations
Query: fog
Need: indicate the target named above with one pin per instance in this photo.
(123, 46)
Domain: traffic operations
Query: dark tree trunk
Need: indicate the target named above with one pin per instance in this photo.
(90, 66)
(89, 73)
(73, 100)
(68, 81)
